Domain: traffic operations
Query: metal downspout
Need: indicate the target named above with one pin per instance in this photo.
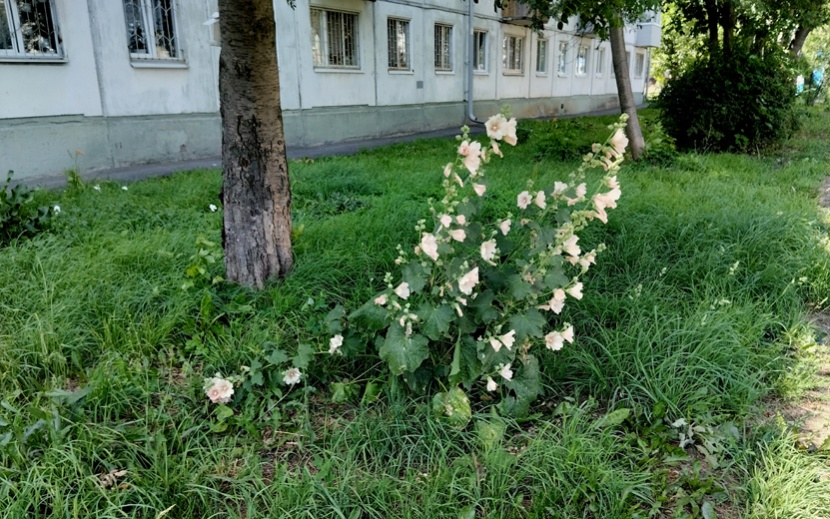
(470, 49)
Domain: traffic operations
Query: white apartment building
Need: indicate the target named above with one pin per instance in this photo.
(135, 81)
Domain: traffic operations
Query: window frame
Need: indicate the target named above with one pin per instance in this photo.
(439, 67)
(562, 59)
(324, 62)
(151, 57)
(398, 67)
(582, 67)
(599, 70)
(13, 24)
(639, 64)
(507, 62)
(542, 51)
(481, 45)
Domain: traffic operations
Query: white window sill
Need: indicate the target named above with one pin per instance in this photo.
(150, 63)
(31, 60)
(444, 72)
(541, 74)
(513, 73)
(328, 70)
(481, 72)
(562, 75)
(400, 72)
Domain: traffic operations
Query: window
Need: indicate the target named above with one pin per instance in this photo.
(398, 37)
(28, 30)
(562, 67)
(334, 39)
(480, 51)
(151, 30)
(639, 64)
(582, 60)
(443, 47)
(512, 54)
(600, 61)
(541, 56)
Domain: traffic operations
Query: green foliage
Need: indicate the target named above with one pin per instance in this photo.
(20, 215)
(734, 102)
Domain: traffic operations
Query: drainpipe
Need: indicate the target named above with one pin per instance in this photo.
(470, 49)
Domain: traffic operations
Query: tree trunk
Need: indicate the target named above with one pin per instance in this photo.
(627, 103)
(798, 41)
(712, 23)
(255, 188)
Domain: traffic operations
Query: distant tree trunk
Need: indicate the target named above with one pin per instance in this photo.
(255, 188)
(627, 103)
(798, 41)
(712, 23)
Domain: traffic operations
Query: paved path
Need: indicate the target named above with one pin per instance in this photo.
(140, 172)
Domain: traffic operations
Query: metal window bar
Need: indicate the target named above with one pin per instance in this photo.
(479, 50)
(512, 53)
(397, 34)
(152, 33)
(582, 60)
(443, 47)
(563, 58)
(28, 29)
(600, 61)
(541, 55)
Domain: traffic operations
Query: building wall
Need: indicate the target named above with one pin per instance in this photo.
(120, 111)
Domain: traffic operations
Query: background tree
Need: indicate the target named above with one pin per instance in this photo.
(607, 20)
(256, 191)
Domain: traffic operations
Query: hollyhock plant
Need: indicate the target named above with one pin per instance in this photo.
(476, 298)
(218, 389)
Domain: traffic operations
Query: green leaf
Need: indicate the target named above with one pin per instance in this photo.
(490, 433)
(708, 510)
(528, 324)
(333, 320)
(370, 317)
(223, 412)
(525, 387)
(415, 275)
(303, 356)
(277, 357)
(436, 320)
(455, 368)
(519, 288)
(341, 391)
(613, 418)
(371, 393)
(453, 407)
(469, 512)
(401, 352)
(483, 307)
(256, 373)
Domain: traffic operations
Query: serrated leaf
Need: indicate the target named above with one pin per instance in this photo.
(519, 288)
(528, 324)
(277, 357)
(415, 275)
(453, 407)
(436, 320)
(615, 417)
(483, 307)
(303, 356)
(525, 387)
(333, 320)
(370, 316)
(403, 353)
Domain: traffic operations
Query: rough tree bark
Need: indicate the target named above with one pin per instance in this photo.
(255, 187)
(627, 104)
(798, 41)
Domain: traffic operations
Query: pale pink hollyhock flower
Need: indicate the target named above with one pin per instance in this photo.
(458, 234)
(491, 384)
(504, 227)
(335, 343)
(429, 245)
(581, 190)
(468, 281)
(496, 127)
(570, 245)
(554, 341)
(458, 179)
(540, 200)
(508, 339)
(488, 250)
(612, 182)
(381, 300)
(403, 290)
(220, 390)
(603, 200)
(446, 220)
(506, 373)
(472, 155)
(568, 334)
(576, 291)
(559, 188)
(448, 170)
(557, 302)
(510, 132)
(479, 189)
(461, 219)
(588, 259)
(523, 200)
(291, 376)
(495, 343)
(618, 143)
(497, 149)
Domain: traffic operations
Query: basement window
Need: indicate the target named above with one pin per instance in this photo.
(152, 32)
(29, 30)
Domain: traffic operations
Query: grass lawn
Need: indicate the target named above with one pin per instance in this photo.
(694, 318)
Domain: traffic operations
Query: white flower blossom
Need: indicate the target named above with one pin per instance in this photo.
(429, 246)
(220, 390)
(479, 189)
(468, 281)
(506, 373)
(403, 290)
(96, 187)
(446, 220)
(123, 188)
(495, 343)
(381, 300)
(461, 219)
(618, 143)
(56, 209)
(559, 188)
(291, 376)
(335, 343)
(571, 247)
(568, 333)
(491, 384)
(504, 227)
(458, 234)
(508, 339)
(523, 200)
(212, 208)
(540, 200)
(554, 341)
(576, 291)
(488, 250)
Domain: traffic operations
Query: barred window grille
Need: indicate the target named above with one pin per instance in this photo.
(28, 29)
(541, 56)
(152, 33)
(562, 68)
(480, 51)
(582, 60)
(600, 62)
(334, 39)
(398, 36)
(512, 53)
(443, 47)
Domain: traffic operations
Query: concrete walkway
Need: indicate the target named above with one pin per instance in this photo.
(140, 172)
